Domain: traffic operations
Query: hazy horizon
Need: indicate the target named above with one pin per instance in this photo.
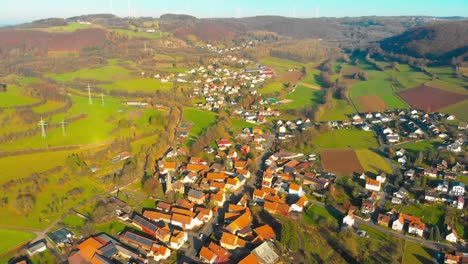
(13, 12)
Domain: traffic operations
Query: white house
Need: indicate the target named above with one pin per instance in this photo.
(37, 247)
(373, 185)
(458, 189)
(452, 237)
(398, 224)
(381, 178)
(348, 220)
(460, 202)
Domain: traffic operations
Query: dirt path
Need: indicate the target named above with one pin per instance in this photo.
(311, 86)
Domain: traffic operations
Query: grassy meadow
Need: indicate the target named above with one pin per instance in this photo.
(201, 120)
(302, 97)
(346, 138)
(373, 162)
(13, 238)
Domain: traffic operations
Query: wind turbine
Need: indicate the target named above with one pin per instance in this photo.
(89, 95)
(64, 123)
(42, 124)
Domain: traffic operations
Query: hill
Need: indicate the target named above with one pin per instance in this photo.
(436, 41)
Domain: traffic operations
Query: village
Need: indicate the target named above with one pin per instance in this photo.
(214, 216)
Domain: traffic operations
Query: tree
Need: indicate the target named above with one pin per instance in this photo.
(431, 234)
(423, 182)
(437, 233)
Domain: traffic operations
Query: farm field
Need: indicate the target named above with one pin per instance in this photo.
(416, 253)
(271, 88)
(108, 73)
(133, 34)
(137, 85)
(458, 109)
(71, 27)
(373, 162)
(14, 97)
(421, 146)
(201, 120)
(340, 161)
(433, 100)
(13, 238)
(346, 138)
(302, 97)
(371, 103)
(83, 131)
(281, 65)
(378, 85)
(48, 106)
(340, 112)
(407, 76)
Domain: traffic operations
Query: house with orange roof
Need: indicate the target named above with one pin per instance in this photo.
(298, 206)
(217, 186)
(150, 227)
(159, 252)
(198, 168)
(157, 216)
(181, 202)
(207, 256)
(240, 164)
(163, 206)
(183, 211)
(242, 222)
(244, 172)
(218, 198)
(167, 166)
(216, 176)
(89, 248)
(415, 225)
(277, 208)
(258, 195)
(189, 177)
(263, 233)
(373, 185)
(234, 208)
(295, 189)
(197, 160)
(249, 259)
(233, 184)
(204, 214)
(177, 240)
(184, 221)
(223, 254)
(230, 241)
(348, 220)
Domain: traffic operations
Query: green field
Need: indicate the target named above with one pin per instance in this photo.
(133, 34)
(111, 228)
(316, 214)
(71, 27)
(379, 85)
(416, 253)
(421, 145)
(340, 112)
(302, 97)
(271, 88)
(109, 73)
(48, 106)
(281, 64)
(311, 76)
(373, 162)
(429, 214)
(201, 120)
(459, 110)
(12, 238)
(408, 77)
(14, 97)
(144, 85)
(73, 221)
(346, 138)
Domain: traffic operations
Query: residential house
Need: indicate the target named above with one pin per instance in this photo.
(368, 206)
(458, 189)
(231, 242)
(265, 253)
(37, 247)
(430, 172)
(431, 195)
(196, 196)
(207, 256)
(372, 185)
(223, 143)
(263, 233)
(460, 202)
(452, 236)
(298, 206)
(383, 219)
(177, 240)
(348, 220)
(295, 189)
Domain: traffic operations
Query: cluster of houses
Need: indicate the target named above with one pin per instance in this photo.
(237, 231)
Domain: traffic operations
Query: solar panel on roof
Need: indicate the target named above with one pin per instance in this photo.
(108, 250)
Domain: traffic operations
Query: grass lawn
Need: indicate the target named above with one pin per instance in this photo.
(446, 74)
(458, 109)
(280, 64)
(238, 124)
(315, 214)
(416, 253)
(311, 76)
(378, 84)
(341, 111)
(431, 214)
(108, 73)
(111, 228)
(133, 85)
(373, 162)
(73, 221)
(408, 77)
(14, 97)
(201, 119)
(271, 88)
(421, 145)
(374, 233)
(346, 138)
(302, 97)
(71, 27)
(48, 106)
(133, 34)
(12, 238)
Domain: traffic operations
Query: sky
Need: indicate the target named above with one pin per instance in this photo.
(13, 11)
